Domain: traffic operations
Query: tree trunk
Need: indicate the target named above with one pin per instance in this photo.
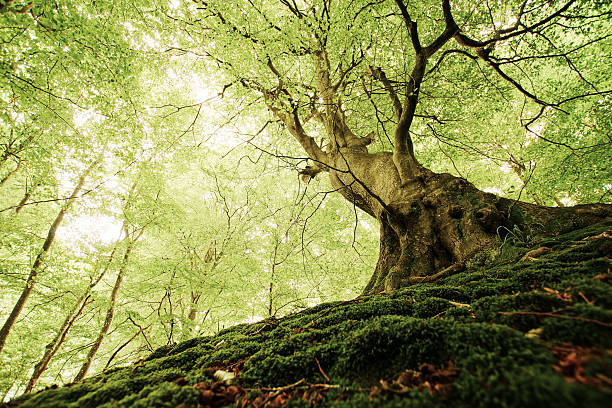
(23, 202)
(31, 280)
(110, 313)
(10, 173)
(436, 221)
(193, 305)
(55, 344)
(52, 348)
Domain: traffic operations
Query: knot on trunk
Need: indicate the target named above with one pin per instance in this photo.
(490, 218)
(461, 183)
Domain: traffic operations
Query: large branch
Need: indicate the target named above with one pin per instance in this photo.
(294, 126)
(450, 29)
(526, 29)
(484, 48)
(382, 77)
(403, 155)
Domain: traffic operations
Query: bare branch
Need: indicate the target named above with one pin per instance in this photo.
(379, 74)
(411, 26)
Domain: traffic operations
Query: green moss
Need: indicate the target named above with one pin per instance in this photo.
(165, 395)
(477, 318)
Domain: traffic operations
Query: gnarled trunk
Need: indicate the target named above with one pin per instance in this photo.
(436, 221)
(429, 222)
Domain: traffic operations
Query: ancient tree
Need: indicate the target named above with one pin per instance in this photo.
(355, 82)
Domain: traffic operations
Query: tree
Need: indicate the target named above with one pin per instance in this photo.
(339, 74)
(38, 262)
(110, 312)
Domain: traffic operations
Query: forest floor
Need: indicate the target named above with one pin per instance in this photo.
(516, 328)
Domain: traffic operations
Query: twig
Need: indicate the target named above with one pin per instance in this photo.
(590, 302)
(266, 324)
(300, 384)
(584, 319)
(123, 345)
(321, 370)
(459, 304)
(456, 267)
(284, 388)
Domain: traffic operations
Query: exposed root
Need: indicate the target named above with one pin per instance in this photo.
(415, 280)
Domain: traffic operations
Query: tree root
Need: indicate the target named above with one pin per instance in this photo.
(415, 280)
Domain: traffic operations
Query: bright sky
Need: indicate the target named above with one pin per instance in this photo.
(83, 232)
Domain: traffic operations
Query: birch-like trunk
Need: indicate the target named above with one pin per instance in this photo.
(54, 345)
(38, 262)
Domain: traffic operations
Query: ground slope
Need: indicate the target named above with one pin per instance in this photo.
(516, 328)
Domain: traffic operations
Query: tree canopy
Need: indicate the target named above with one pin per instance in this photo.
(162, 162)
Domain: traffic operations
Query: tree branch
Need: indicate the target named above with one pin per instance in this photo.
(380, 75)
(403, 155)
(411, 26)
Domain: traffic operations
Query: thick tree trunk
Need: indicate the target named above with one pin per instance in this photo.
(437, 221)
(31, 280)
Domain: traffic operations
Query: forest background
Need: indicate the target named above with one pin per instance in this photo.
(147, 198)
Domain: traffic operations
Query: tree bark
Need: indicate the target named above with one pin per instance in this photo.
(193, 302)
(31, 280)
(110, 313)
(23, 202)
(436, 220)
(10, 173)
(429, 222)
(53, 347)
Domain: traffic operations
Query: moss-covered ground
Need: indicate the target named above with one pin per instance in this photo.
(510, 330)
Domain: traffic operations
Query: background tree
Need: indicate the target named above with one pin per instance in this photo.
(38, 262)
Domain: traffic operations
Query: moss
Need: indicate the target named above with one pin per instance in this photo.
(165, 395)
(478, 319)
(583, 332)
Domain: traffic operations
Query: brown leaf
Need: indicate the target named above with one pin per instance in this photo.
(409, 377)
(571, 361)
(181, 381)
(277, 402)
(206, 396)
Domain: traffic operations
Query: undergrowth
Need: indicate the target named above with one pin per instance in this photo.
(507, 333)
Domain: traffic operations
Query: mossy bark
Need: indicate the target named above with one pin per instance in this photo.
(434, 221)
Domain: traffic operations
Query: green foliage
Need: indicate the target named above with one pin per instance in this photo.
(165, 94)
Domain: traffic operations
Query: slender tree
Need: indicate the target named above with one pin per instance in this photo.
(38, 262)
(110, 312)
(55, 344)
